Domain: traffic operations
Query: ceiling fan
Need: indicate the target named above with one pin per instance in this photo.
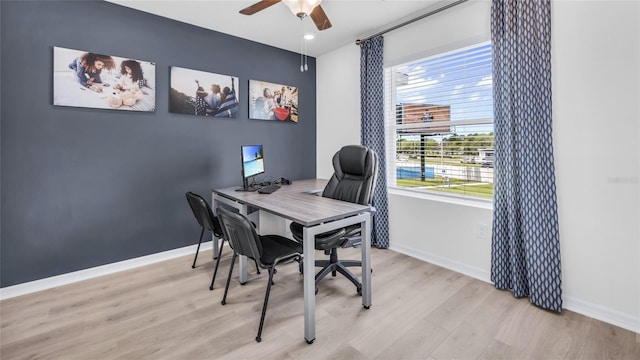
(300, 8)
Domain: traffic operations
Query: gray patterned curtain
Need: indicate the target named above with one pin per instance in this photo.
(525, 241)
(372, 126)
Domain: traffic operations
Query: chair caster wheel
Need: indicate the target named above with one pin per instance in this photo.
(366, 307)
(223, 302)
(258, 339)
(310, 341)
(242, 283)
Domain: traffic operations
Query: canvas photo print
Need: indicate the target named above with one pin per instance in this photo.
(91, 80)
(269, 101)
(202, 93)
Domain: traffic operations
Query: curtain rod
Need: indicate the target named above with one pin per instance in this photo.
(445, 7)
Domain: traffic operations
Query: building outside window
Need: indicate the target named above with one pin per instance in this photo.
(439, 115)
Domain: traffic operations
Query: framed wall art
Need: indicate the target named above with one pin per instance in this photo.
(92, 80)
(202, 93)
(269, 101)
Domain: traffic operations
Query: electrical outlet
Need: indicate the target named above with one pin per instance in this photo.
(482, 231)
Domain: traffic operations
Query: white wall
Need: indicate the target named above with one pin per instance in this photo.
(338, 104)
(595, 55)
(596, 85)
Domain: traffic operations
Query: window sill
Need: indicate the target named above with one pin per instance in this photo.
(445, 198)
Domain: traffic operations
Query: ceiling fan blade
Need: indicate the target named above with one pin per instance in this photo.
(259, 6)
(320, 18)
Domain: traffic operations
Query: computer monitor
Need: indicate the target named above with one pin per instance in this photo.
(252, 165)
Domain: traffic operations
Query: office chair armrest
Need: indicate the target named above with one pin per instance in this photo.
(314, 192)
(352, 242)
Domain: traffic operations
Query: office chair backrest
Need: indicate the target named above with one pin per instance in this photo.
(355, 169)
(241, 234)
(204, 215)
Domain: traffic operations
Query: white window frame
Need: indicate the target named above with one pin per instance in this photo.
(391, 131)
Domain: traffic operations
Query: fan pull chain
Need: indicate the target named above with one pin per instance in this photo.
(306, 67)
(302, 46)
(301, 56)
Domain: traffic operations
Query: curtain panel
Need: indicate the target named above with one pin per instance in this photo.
(372, 129)
(525, 240)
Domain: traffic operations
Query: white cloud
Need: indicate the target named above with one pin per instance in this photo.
(486, 81)
(457, 89)
(417, 71)
(423, 82)
(418, 99)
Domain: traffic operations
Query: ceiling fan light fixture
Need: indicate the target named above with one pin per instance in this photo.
(301, 8)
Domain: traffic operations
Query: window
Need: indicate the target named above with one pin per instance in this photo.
(440, 123)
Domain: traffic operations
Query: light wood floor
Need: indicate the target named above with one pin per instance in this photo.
(420, 311)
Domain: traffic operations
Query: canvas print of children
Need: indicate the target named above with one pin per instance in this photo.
(93, 80)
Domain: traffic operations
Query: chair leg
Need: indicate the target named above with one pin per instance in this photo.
(272, 271)
(348, 263)
(193, 266)
(324, 272)
(349, 275)
(226, 288)
(333, 258)
(215, 270)
(322, 263)
(257, 267)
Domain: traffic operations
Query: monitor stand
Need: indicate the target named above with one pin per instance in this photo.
(247, 187)
(250, 188)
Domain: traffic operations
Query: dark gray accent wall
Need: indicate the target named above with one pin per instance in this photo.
(87, 187)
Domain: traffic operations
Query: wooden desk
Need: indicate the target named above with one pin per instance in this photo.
(318, 215)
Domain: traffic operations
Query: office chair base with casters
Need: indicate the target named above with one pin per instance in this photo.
(329, 242)
(334, 266)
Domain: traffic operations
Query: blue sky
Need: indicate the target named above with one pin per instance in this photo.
(461, 79)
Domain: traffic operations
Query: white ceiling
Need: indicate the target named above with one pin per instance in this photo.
(278, 27)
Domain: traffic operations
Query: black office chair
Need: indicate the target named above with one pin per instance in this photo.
(355, 170)
(206, 219)
(267, 250)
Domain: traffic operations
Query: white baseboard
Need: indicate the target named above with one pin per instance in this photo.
(591, 310)
(64, 279)
(471, 271)
(602, 313)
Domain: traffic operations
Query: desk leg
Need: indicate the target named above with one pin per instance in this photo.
(214, 240)
(309, 286)
(366, 262)
(216, 246)
(243, 209)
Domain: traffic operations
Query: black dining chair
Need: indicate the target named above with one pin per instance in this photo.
(355, 169)
(267, 250)
(208, 221)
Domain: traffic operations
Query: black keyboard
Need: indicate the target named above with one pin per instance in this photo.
(268, 189)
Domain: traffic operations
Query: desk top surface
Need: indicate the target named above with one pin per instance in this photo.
(296, 202)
